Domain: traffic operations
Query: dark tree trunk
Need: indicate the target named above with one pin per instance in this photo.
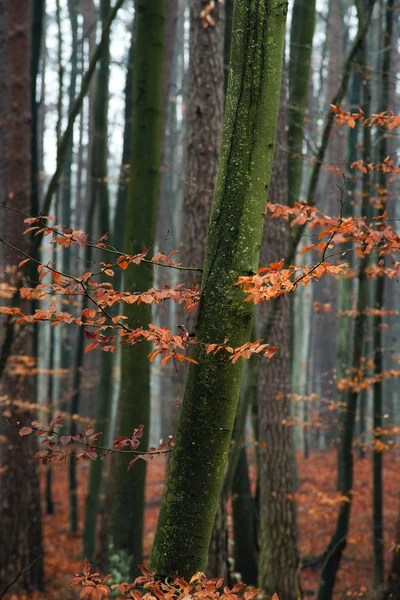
(20, 512)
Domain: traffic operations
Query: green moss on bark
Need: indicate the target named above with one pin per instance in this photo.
(197, 467)
(126, 530)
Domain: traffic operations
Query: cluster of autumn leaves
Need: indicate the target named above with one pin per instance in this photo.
(146, 587)
(108, 331)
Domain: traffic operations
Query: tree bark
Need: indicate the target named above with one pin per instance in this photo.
(278, 529)
(20, 511)
(205, 106)
(301, 40)
(126, 528)
(205, 427)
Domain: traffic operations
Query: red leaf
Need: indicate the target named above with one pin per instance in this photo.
(25, 431)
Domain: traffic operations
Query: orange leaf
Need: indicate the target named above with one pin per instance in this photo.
(25, 431)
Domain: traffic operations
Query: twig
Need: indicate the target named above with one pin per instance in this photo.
(18, 575)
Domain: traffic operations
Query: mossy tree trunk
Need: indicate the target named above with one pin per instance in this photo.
(205, 427)
(126, 527)
(205, 106)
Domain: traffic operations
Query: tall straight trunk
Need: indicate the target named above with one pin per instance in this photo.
(36, 47)
(205, 426)
(325, 324)
(52, 335)
(66, 210)
(299, 75)
(170, 200)
(20, 511)
(338, 541)
(126, 527)
(77, 384)
(99, 191)
(37, 28)
(345, 286)
(203, 133)
(278, 529)
(301, 40)
(378, 322)
(101, 558)
(203, 141)
(66, 196)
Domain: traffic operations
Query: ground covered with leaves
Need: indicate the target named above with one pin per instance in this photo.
(317, 501)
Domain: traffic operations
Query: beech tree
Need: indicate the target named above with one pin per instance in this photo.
(144, 178)
(205, 426)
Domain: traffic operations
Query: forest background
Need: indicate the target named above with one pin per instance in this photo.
(114, 120)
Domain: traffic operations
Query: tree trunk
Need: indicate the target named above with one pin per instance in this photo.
(99, 189)
(169, 207)
(203, 139)
(126, 528)
(278, 529)
(379, 571)
(301, 40)
(20, 511)
(205, 427)
(66, 334)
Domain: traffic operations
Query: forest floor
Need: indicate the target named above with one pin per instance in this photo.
(317, 502)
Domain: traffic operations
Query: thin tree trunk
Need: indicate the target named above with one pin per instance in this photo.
(52, 334)
(379, 572)
(168, 205)
(118, 233)
(126, 527)
(99, 190)
(205, 427)
(301, 40)
(65, 333)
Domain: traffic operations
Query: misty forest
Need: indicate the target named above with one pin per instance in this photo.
(199, 269)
